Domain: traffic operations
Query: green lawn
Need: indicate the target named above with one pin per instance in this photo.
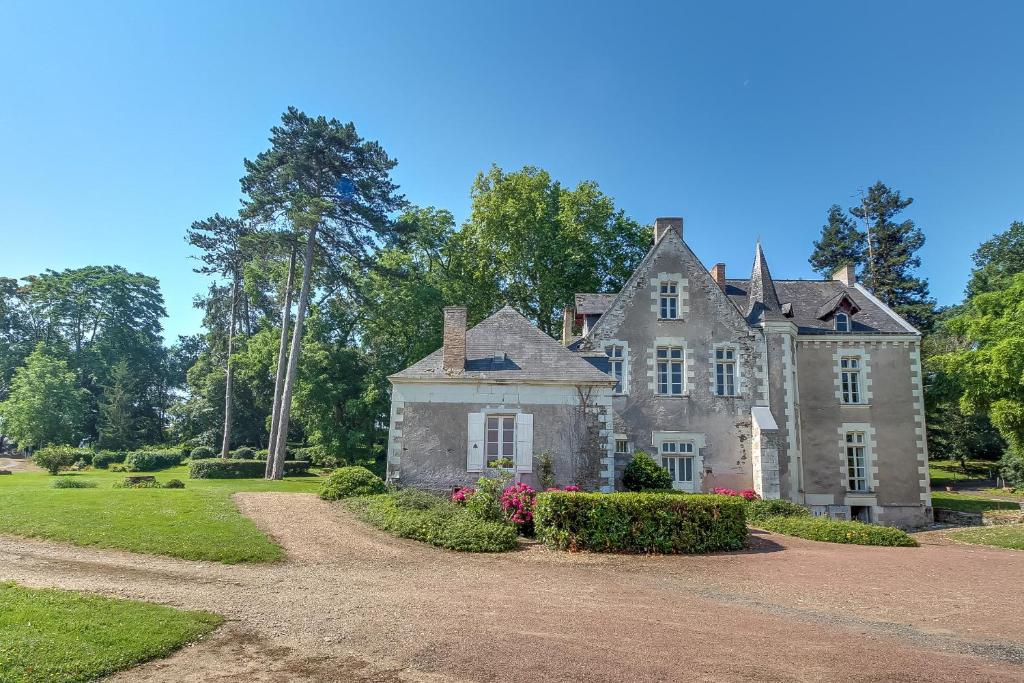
(965, 502)
(1003, 536)
(199, 522)
(947, 472)
(64, 636)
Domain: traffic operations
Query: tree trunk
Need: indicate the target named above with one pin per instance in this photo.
(293, 357)
(282, 364)
(230, 375)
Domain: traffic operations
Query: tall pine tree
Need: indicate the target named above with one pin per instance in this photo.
(885, 251)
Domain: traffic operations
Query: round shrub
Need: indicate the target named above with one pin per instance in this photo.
(485, 502)
(174, 484)
(54, 458)
(200, 452)
(244, 453)
(644, 474)
(72, 483)
(104, 459)
(760, 510)
(346, 482)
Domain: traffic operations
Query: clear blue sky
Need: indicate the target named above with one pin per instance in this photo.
(121, 123)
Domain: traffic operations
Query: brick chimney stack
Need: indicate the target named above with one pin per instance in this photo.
(718, 274)
(846, 274)
(568, 318)
(663, 225)
(453, 358)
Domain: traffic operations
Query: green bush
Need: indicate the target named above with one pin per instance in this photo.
(346, 482)
(435, 520)
(837, 531)
(174, 484)
(231, 468)
(103, 459)
(1011, 468)
(758, 510)
(485, 502)
(200, 452)
(244, 453)
(53, 458)
(151, 461)
(320, 456)
(72, 483)
(640, 522)
(126, 483)
(644, 474)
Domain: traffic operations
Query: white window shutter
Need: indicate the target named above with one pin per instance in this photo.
(524, 443)
(475, 443)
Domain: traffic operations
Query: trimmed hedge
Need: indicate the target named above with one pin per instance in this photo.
(233, 468)
(425, 517)
(837, 531)
(104, 459)
(151, 461)
(244, 453)
(200, 452)
(346, 482)
(72, 483)
(641, 522)
(758, 510)
(55, 458)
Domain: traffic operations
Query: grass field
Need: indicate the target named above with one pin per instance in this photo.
(199, 522)
(1003, 536)
(965, 502)
(948, 472)
(56, 636)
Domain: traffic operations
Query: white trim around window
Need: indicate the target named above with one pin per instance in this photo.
(851, 375)
(618, 365)
(857, 448)
(724, 361)
(679, 453)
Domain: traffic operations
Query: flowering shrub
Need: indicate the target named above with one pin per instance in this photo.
(748, 494)
(518, 502)
(461, 493)
(569, 489)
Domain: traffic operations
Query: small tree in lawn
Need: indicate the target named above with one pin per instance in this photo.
(45, 405)
(321, 179)
(118, 424)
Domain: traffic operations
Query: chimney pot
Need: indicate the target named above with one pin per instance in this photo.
(453, 354)
(663, 225)
(568, 318)
(846, 274)
(718, 274)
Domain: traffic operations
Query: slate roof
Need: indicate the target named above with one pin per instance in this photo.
(529, 354)
(807, 296)
(762, 300)
(593, 304)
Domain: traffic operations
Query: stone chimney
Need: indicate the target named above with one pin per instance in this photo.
(846, 274)
(568, 318)
(453, 358)
(718, 274)
(663, 225)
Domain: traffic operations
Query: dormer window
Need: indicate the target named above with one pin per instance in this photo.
(842, 321)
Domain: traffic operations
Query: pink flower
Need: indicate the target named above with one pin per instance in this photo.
(461, 493)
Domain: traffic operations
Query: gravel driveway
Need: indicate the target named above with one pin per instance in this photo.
(353, 604)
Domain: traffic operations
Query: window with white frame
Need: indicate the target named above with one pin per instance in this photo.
(850, 379)
(501, 441)
(725, 371)
(668, 301)
(842, 321)
(856, 461)
(670, 370)
(621, 446)
(616, 362)
(677, 458)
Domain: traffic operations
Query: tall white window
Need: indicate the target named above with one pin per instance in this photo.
(616, 358)
(501, 441)
(725, 371)
(849, 369)
(677, 458)
(670, 370)
(669, 300)
(842, 321)
(856, 462)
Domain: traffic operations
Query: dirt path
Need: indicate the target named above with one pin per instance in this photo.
(353, 604)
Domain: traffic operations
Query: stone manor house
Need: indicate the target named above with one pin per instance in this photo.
(808, 390)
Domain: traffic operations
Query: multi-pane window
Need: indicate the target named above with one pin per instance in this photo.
(725, 371)
(677, 458)
(501, 441)
(621, 446)
(849, 369)
(842, 322)
(616, 358)
(669, 300)
(670, 370)
(856, 462)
